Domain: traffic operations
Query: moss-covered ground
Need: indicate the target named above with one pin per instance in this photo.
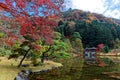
(8, 68)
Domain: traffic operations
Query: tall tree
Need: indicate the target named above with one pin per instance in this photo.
(60, 49)
(94, 35)
(77, 42)
(36, 19)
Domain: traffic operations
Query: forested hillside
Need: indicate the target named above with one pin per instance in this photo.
(93, 28)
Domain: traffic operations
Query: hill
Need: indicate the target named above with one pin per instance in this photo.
(94, 28)
(88, 16)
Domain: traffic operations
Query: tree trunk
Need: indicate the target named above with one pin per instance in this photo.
(43, 54)
(23, 57)
(42, 57)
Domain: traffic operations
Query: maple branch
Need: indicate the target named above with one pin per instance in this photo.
(43, 54)
(11, 10)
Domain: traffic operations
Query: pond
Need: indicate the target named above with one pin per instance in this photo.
(102, 68)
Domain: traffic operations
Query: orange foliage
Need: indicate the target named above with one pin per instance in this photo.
(3, 6)
(36, 18)
(102, 64)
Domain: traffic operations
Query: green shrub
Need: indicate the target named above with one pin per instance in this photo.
(106, 49)
(5, 52)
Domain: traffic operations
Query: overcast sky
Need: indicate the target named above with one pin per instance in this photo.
(96, 6)
(89, 5)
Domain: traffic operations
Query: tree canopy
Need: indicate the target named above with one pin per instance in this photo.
(30, 21)
(35, 17)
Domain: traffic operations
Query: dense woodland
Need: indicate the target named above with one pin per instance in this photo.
(93, 29)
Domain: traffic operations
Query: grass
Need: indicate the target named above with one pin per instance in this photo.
(8, 68)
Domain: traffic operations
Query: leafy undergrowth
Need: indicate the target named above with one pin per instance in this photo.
(8, 68)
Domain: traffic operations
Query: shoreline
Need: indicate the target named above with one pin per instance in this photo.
(9, 67)
(108, 54)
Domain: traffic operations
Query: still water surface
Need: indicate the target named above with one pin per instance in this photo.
(103, 68)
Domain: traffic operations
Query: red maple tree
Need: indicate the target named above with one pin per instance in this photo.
(36, 19)
(100, 47)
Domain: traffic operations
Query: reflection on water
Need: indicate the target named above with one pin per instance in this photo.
(103, 68)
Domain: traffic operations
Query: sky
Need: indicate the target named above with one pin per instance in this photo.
(98, 6)
(89, 5)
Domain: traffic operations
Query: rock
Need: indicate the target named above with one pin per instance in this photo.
(23, 75)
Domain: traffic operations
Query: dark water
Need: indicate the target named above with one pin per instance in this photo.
(103, 68)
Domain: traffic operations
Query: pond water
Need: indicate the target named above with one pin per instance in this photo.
(102, 68)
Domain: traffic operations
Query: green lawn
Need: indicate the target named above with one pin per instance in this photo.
(8, 68)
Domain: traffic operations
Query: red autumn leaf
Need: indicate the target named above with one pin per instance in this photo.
(9, 42)
(101, 46)
(101, 64)
(37, 47)
(3, 6)
(31, 19)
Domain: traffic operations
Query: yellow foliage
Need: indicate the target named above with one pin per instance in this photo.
(71, 24)
(88, 21)
(43, 48)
